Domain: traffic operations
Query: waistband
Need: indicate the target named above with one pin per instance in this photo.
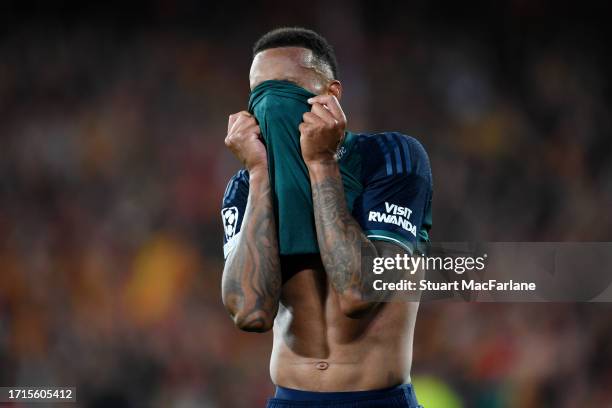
(289, 394)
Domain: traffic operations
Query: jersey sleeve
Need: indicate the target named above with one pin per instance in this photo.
(395, 205)
(232, 209)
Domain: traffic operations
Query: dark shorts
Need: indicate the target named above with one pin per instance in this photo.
(401, 396)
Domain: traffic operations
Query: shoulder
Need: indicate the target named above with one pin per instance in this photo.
(237, 188)
(389, 154)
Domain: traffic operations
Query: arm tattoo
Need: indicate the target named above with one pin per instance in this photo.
(252, 277)
(340, 238)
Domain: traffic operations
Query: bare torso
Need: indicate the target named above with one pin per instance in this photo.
(317, 348)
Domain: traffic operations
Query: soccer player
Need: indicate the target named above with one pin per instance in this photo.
(334, 344)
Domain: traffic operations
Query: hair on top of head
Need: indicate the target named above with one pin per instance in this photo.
(299, 37)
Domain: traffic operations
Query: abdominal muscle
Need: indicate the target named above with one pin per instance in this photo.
(317, 348)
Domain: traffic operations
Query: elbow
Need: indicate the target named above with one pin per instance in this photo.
(254, 321)
(353, 305)
(249, 314)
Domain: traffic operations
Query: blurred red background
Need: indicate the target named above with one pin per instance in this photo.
(112, 169)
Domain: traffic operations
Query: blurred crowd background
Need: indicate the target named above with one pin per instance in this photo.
(112, 168)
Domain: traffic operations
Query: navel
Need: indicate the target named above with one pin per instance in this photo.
(322, 365)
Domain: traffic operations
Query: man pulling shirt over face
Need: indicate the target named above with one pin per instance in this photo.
(311, 200)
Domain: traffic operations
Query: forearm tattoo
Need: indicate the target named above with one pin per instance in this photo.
(340, 238)
(252, 276)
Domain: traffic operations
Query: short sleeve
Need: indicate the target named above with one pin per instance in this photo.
(232, 209)
(395, 205)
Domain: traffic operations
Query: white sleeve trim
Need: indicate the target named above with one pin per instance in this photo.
(395, 241)
(229, 246)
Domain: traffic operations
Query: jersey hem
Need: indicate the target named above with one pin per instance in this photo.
(388, 236)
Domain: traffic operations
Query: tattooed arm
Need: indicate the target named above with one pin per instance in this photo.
(341, 241)
(251, 277)
(251, 282)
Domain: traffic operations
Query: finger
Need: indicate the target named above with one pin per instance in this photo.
(232, 120)
(244, 127)
(331, 103)
(324, 114)
(237, 142)
(311, 118)
(252, 135)
(241, 118)
(304, 128)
